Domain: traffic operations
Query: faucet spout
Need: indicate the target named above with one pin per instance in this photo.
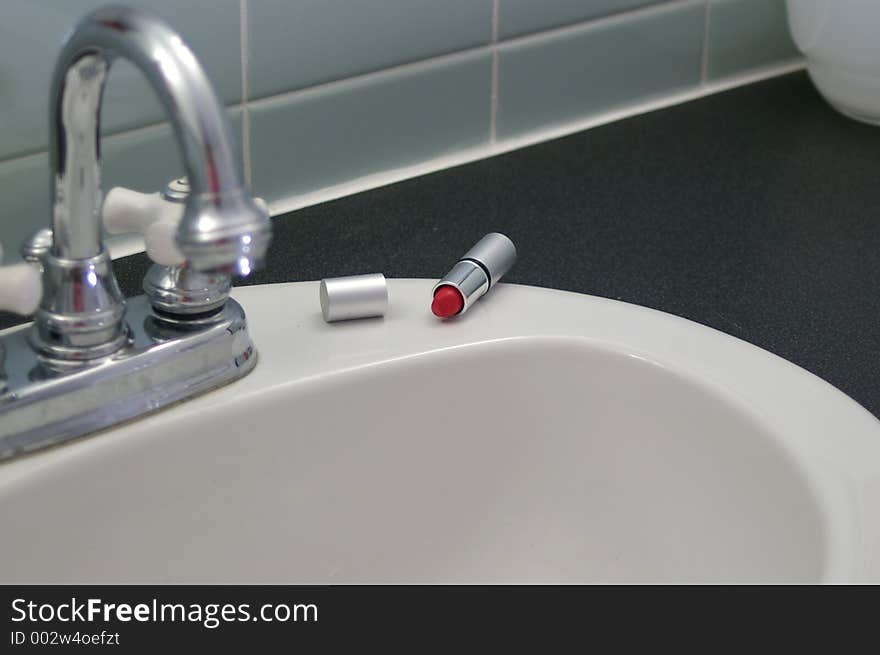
(222, 225)
(221, 229)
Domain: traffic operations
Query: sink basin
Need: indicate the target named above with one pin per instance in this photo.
(543, 436)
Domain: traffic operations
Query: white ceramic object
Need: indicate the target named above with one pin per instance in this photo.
(840, 41)
(543, 437)
(21, 288)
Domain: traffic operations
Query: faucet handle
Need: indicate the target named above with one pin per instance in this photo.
(21, 287)
(149, 214)
(155, 216)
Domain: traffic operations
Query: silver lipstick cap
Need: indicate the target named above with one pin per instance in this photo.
(356, 296)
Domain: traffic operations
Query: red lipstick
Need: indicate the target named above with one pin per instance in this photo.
(473, 275)
(447, 302)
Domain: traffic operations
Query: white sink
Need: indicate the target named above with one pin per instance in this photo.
(542, 437)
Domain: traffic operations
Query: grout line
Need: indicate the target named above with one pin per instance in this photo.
(365, 77)
(105, 138)
(372, 181)
(20, 159)
(109, 138)
(493, 91)
(571, 28)
(704, 59)
(245, 85)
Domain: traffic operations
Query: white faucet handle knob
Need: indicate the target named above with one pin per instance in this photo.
(160, 242)
(150, 215)
(125, 211)
(21, 288)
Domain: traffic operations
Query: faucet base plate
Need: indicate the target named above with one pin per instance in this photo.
(45, 403)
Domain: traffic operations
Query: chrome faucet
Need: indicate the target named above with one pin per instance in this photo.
(221, 227)
(86, 339)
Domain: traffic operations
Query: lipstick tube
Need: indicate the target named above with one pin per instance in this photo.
(473, 275)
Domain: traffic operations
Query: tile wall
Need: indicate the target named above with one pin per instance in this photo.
(323, 92)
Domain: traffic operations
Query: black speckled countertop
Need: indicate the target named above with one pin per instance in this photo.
(755, 211)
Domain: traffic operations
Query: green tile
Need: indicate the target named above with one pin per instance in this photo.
(24, 185)
(31, 32)
(293, 45)
(340, 132)
(573, 74)
(147, 158)
(747, 34)
(516, 17)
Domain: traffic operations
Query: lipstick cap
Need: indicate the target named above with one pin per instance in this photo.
(356, 296)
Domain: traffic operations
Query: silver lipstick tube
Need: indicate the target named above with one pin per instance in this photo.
(481, 268)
